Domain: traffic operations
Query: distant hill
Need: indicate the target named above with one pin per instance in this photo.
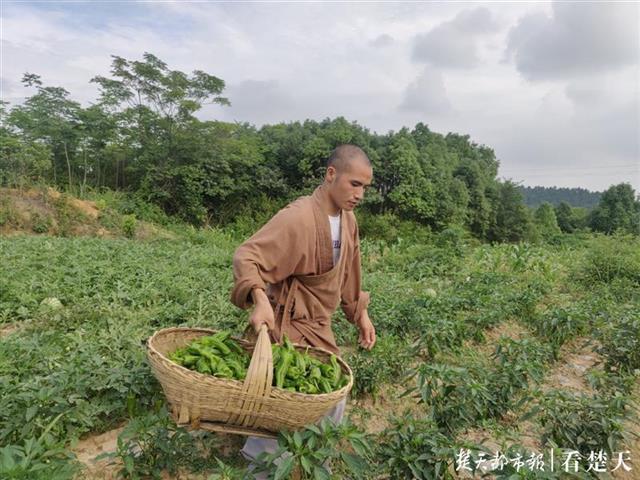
(576, 197)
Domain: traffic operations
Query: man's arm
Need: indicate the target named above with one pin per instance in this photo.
(269, 256)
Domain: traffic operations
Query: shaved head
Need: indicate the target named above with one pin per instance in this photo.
(348, 174)
(344, 156)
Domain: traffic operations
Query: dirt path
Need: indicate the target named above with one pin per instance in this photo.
(92, 446)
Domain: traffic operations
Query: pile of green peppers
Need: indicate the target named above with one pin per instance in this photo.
(300, 372)
(295, 371)
(217, 355)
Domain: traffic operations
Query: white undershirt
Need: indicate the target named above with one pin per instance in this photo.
(335, 236)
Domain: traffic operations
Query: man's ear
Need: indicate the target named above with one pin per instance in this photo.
(331, 173)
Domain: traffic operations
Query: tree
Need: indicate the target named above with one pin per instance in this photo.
(21, 162)
(512, 219)
(410, 193)
(619, 209)
(565, 217)
(50, 117)
(545, 220)
(153, 105)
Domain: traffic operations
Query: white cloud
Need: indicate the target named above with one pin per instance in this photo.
(453, 43)
(427, 94)
(578, 38)
(382, 41)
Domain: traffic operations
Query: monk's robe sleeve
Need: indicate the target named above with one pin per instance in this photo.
(354, 300)
(270, 255)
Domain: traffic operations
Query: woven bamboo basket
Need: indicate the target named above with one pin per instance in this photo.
(249, 407)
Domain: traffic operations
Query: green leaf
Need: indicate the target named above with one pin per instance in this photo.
(7, 460)
(31, 412)
(128, 464)
(284, 468)
(297, 440)
(354, 462)
(314, 429)
(321, 473)
(306, 464)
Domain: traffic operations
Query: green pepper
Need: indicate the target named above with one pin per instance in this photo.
(301, 361)
(220, 346)
(213, 359)
(313, 361)
(190, 360)
(335, 378)
(222, 335)
(275, 353)
(294, 372)
(238, 370)
(202, 365)
(177, 358)
(308, 387)
(315, 372)
(233, 345)
(223, 370)
(327, 370)
(325, 386)
(281, 370)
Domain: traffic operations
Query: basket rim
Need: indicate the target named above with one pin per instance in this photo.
(163, 331)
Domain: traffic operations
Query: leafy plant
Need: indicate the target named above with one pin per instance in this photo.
(414, 448)
(559, 325)
(610, 258)
(384, 364)
(41, 458)
(454, 396)
(151, 444)
(227, 472)
(523, 464)
(620, 344)
(129, 223)
(314, 450)
(580, 422)
(40, 223)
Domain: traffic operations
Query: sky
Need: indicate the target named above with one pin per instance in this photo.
(552, 87)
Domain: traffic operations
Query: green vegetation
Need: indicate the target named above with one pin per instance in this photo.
(472, 332)
(575, 197)
(80, 309)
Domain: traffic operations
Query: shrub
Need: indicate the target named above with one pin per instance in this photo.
(40, 223)
(129, 223)
(608, 259)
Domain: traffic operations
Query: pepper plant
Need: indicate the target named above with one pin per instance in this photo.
(315, 450)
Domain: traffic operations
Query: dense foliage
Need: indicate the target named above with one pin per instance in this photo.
(80, 309)
(142, 136)
(576, 197)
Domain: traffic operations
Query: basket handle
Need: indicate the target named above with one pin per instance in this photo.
(257, 383)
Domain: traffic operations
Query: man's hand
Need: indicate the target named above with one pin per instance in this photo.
(367, 337)
(262, 312)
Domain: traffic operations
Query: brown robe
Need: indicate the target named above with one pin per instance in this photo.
(291, 258)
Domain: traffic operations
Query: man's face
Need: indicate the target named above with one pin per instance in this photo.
(346, 188)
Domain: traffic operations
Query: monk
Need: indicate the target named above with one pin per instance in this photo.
(305, 261)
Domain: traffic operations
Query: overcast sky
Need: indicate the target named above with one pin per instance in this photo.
(552, 87)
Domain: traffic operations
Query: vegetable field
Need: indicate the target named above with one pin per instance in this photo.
(508, 353)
